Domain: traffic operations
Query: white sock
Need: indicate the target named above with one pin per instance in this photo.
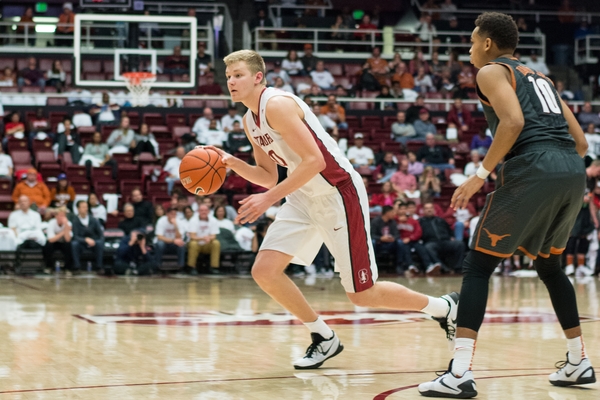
(463, 356)
(576, 350)
(437, 307)
(319, 326)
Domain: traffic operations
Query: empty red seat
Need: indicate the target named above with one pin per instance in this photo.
(179, 131)
(153, 119)
(91, 65)
(15, 145)
(75, 173)
(360, 105)
(193, 103)
(81, 187)
(127, 185)
(45, 156)
(371, 121)
(216, 103)
(5, 186)
(49, 170)
(39, 145)
(124, 158)
(353, 69)
(129, 171)
(105, 187)
(56, 101)
(334, 68)
(102, 174)
(176, 119)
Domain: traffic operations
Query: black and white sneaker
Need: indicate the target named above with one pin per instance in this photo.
(450, 386)
(320, 350)
(448, 323)
(573, 374)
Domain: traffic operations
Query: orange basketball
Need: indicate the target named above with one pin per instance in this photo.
(202, 171)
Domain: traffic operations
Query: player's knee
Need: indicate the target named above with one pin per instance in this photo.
(261, 273)
(361, 299)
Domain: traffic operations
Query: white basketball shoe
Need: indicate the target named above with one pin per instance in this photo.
(448, 323)
(320, 350)
(450, 386)
(573, 374)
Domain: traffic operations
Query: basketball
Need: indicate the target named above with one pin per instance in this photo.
(202, 172)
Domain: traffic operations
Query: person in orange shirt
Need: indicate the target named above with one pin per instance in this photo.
(378, 67)
(63, 194)
(404, 77)
(65, 25)
(335, 111)
(37, 191)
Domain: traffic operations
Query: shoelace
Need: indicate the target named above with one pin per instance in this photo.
(450, 330)
(312, 348)
(561, 364)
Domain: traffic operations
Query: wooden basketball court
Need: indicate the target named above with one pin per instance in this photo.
(222, 338)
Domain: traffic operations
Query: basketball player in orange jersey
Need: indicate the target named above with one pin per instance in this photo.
(326, 201)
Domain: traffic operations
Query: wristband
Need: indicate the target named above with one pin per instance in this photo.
(482, 172)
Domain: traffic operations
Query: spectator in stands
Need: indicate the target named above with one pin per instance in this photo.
(292, 64)
(229, 118)
(439, 239)
(96, 154)
(186, 221)
(445, 85)
(59, 232)
(87, 235)
(466, 82)
(143, 208)
(410, 233)
(453, 37)
(436, 67)
(220, 215)
(56, 76)
(69, 141)
(26, 23)
(396, 60)
(459, 117)
(341, 142)
(63, 194)
(423, 82)
(425, 30)
(104, 109)
(172, 168)
(210, 87)
(403, 77)
(133, 255)
(418, 61)
(460, 220)
(308, 59)
(415, 167)
(402, 179)
(471, 167)
(537, 65)
(402, 131)
(177, 64)
(36, 191)
(169, 238)
(13, 129)
(337, 26)
(31, 76)
(429, 183)
(322, 77)
(360, 155)
(448, 9)
(39, 124)
(237, 141)
(203, 122)
(435, 155)
(385, 94)
(365, 25)
(386, 168)
(481, 142)
(65, 26)
(144, 142)
(26, 223)
(326, 122)
(564, 93)
(203, 60)
(203, 241)
(6, 165)
(586, 116)
(386, 239)
(97, 209)
(386, 197)
(304, 86)
(121, 139)
(214, 136)
(424, 126)
(159, 209)
(377, 67)
(280, 84)
(188, 142)
(262, 21)
(8, 78)
(335, 111)
(131, 222)
(413, 112)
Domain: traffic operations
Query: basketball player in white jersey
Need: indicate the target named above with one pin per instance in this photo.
(326, 201)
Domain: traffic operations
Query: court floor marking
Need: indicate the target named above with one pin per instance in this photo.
(271, 378)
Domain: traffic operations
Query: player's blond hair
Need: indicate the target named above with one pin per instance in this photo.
(253, 60)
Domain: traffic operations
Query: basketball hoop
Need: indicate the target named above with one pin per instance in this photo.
(139, 84)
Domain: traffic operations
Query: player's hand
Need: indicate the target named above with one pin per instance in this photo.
(462, 194)
(226, 158)
(252, 207)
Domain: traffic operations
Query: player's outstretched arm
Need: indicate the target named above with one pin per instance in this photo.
(575, 130)
(494, 81)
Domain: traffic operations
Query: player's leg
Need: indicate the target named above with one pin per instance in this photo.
(458, 380)
(577, 369)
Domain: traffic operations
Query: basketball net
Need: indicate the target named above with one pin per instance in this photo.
(139, 84)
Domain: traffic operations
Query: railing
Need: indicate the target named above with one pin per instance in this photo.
(275, 9)
(246, 36)
(215, 8)
(587, 49)
(327, 48)
(21, 42)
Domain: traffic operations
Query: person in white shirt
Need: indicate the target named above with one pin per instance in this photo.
(228, 120)
(322, 77)
(120, 139)
(213, 136)
(203, 241)
(281, 85)
(172, 168)
(59, 232)
(303, 87)
(593, 139)
(360, 155)
(244, 237)
(203, 122)
(537, 65)
(277, 72)
(471, 167)
(26, 223)
(325, 120)
(169, 239)
(6, 165)
(186, 222)
(97, 209)
(292, 64)
(220, 215)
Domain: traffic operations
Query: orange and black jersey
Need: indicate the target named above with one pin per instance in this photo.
(540, 103)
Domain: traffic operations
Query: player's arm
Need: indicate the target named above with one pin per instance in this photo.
(495, 83)
(575, 130)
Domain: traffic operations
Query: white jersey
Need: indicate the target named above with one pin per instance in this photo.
(338, 169)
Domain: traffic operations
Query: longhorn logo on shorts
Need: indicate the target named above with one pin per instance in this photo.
(363, 276)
